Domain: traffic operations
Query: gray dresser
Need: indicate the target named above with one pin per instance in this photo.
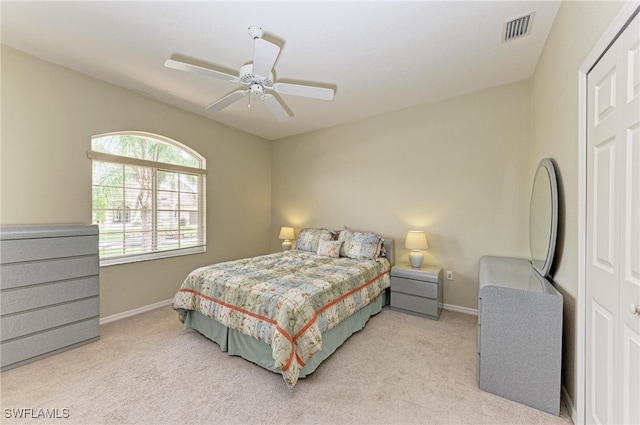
(519, 334)
(417, 291)
(49, 286)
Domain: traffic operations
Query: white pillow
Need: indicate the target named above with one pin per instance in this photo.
(329, 248)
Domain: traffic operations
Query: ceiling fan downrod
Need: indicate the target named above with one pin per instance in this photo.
(255, 32)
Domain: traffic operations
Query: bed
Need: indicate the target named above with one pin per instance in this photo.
(289, 311)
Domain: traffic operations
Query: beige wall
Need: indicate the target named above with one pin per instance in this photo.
(458, 169)
(49, 114)
(554, 133)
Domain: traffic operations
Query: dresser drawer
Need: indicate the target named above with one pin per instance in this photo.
(19, 250)
(16, 352)
(42, 319)
(414, 287)
(17, 275)
(37, 296)
(414, 304)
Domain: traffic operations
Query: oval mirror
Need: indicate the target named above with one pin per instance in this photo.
(543, 217)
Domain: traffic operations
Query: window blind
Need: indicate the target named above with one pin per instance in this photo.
(147, 209)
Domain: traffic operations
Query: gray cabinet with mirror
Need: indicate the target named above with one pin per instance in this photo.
(520, 311)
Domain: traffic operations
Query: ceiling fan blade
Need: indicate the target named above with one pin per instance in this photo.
(306, 91)
(276, 108)
(182, 66)
(264, 57)
(227, 100)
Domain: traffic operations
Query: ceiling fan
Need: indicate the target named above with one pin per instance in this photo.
(258, 77)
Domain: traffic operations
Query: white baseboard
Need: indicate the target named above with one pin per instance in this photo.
(465, 310)
(125, 314)
(569, 403)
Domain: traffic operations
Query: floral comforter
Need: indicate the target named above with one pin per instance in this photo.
(286, 299)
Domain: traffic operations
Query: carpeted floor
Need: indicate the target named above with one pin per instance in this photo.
(146, 369)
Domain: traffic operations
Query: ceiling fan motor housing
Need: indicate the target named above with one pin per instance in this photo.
(248, 78)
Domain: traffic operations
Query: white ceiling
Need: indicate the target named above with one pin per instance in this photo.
(378, 56)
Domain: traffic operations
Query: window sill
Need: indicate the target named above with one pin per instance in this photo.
(152, 256)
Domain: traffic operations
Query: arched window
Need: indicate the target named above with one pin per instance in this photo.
(148, 197)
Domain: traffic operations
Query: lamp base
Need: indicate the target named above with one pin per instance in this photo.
(416, 258)
(286, 245)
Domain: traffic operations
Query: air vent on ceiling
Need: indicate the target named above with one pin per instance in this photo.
(518, 27)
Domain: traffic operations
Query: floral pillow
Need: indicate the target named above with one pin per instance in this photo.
(360, 245)
(329, 248)
(309, 238)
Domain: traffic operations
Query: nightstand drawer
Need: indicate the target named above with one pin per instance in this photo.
(414, 304)
(414, 287)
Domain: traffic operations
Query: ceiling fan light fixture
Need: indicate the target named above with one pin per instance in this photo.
(257, 90)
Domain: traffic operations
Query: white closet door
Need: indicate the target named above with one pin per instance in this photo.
(630, 227)
(613, 234)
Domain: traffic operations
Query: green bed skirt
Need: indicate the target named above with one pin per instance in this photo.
(238, 344)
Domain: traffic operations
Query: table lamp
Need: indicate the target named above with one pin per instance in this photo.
(286, 233)
(416, 240)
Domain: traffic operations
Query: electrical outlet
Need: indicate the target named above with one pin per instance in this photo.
(449, 275)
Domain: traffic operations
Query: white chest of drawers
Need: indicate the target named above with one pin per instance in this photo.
(49, 286)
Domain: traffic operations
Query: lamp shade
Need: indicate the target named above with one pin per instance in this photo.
(416, 239)
(286, 233)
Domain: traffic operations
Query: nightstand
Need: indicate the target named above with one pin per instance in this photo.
(417, 291)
